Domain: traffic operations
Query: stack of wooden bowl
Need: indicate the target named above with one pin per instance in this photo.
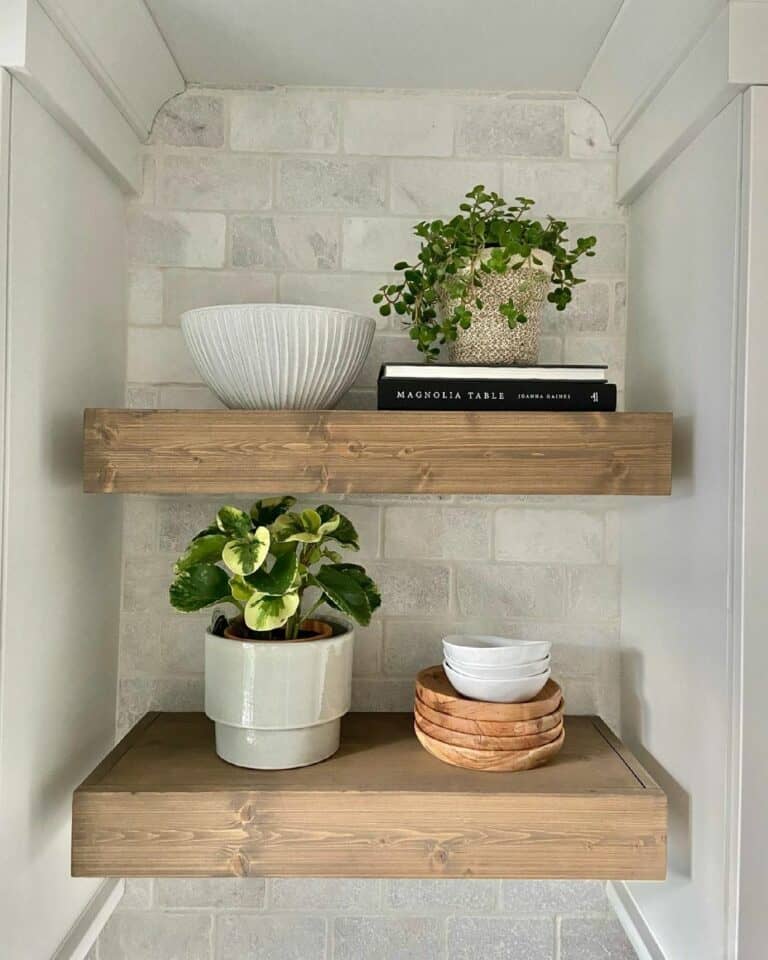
(482, 735)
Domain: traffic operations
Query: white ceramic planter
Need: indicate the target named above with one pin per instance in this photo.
(278, 356)
(278, 704)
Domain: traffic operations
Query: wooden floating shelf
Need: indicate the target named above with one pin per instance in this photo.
(163, 804)
(356, 451)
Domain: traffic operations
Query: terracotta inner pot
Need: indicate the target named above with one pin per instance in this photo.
(309, 630)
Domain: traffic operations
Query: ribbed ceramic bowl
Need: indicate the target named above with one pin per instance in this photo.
(277, 356)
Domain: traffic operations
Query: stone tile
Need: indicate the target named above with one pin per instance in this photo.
(282, 121)
(437, 187)
(285, 242)
(513, 128)
(188, 398)
(181, 519)
(377, 243)
(549, 536)
(435, 533)
(366, 520)
(138, 894)
(189, 289)
(501, 938)
(550, 349)
(145, 297)
(358, 400)
(241, 936)
(305, 894)
(181, 644)
(403, 127)
(235, 893)
(600, 938)
(611, 250)
(587, 133)
(565, 190)
(346, 291)
(382, 695)
(176, 239)
(148, 193)
(388, 938)
(140, 397)
(139, 644)
(215, 182)
(581, 348)
(465, 896)
(516, 590)
(139, 525)
(159, 355)
(619, 317)
(367, 653)
(137, 695)
(412, 645)
(144, 583)
(593, 593)
(553, 896)
(588, 311)
(385, 348)
(191, 120)
(144, 935)
(338, 184)
(411, 588)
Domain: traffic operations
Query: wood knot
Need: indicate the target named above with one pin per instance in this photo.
(240, 864)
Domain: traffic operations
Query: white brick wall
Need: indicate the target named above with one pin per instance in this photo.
(310, 196)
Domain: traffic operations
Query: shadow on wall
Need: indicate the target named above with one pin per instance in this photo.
(633, 713)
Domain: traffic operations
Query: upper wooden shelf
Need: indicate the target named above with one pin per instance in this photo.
(163, 804)
(355, 451)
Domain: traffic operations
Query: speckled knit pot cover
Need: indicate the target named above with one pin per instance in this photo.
(489, 339)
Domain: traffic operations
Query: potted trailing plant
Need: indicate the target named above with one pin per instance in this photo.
(481, 278)
(277, 679)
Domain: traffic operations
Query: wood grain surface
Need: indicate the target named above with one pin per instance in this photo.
(434, 689)
(475, 741)
(163, 804)
(490, 728)
(360, 451)
(490, 761)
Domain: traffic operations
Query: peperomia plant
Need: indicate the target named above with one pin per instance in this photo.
(438, 293)
(263, 561)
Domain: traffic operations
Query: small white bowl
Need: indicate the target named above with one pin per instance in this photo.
(497, 691)
(493, 651)
(515, 672)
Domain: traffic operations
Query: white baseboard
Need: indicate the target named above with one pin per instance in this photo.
(635, 927)
(89, 924)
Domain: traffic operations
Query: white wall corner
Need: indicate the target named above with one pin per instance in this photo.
(86, 929)
(637, 930)
(82, 69)
(730, 56)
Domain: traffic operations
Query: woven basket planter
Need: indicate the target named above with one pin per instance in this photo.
(488, 339)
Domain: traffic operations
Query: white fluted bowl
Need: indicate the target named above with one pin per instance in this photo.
(277, 356)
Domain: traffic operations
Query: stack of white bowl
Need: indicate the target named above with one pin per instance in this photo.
(496, 669)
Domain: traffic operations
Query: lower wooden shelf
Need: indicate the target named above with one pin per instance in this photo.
(163, 804)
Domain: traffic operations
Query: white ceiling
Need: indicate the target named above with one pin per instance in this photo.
(439, 44)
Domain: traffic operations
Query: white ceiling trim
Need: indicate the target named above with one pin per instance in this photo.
(731, 56)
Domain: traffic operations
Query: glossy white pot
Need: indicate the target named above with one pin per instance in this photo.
(278, 356)
(278, 704)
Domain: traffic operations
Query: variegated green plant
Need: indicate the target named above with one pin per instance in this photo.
(263, 562)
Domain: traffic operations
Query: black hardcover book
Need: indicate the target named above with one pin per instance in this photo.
(534, 395)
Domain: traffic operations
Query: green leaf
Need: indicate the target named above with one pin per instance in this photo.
(347, 587)
(200, 586)
(345, 533)
(203, 549)
(247, 554)
(233, 521)
(241, 590)
(305, 527)
(269, 613)
(280, 579)
(265, 512)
